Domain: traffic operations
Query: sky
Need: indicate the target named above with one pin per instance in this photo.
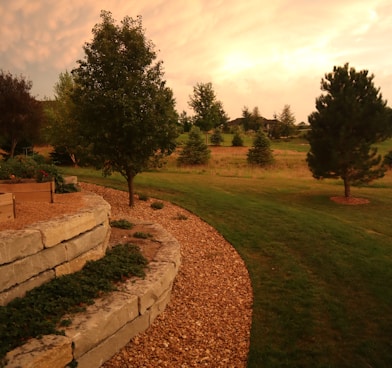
(255, 53)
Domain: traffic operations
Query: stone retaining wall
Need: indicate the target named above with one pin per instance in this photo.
(97, 334)
(40, 252)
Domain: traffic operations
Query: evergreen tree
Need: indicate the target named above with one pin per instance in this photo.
(237, 140)
(350, 118)
(195, 151)
(261, 153)
(216, 137)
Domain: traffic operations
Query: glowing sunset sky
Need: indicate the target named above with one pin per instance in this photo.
(255, 52)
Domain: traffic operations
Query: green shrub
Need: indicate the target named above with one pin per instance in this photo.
(142, 235)
(34, 167)
(122, 224)
(143, 197)
(157, 205)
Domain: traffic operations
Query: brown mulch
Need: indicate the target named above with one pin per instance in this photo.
(349, 200)
(207, 322)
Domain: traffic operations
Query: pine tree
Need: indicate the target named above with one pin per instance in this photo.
(261, 153)
(216, 137)
(237, 140)
(351, 118)
(195, 152)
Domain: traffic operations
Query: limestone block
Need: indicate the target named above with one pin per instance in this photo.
(170, 251)
(159, 306)
(101, 214)
(158, 279)
(98, 207)
(86, 241)
(21, 289)
(109, 347)
(23, 269)
(65, 228)
(49, 352)
(101, 320)
(78, 263)
(16, 244)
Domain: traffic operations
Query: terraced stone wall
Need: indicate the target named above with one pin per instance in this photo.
(40, 252)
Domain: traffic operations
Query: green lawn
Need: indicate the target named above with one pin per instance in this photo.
(321, 272)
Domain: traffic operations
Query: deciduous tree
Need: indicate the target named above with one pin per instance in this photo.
(124, 106)
(209, 112)
(20, 113)
(351, 117)
(62, 130)
(252, 120)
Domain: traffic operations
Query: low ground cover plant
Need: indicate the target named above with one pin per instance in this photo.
(142, 235)
(157, 205)
(122, 224)
(42, 310)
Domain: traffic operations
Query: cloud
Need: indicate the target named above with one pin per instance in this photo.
(255, 53)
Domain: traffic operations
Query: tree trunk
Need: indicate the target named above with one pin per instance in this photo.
(130, 190)
(347, 192)
(14, 142)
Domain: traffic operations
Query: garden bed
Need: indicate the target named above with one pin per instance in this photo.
(7, 207)
(30, 191)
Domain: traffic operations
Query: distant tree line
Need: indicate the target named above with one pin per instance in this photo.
(114, 111)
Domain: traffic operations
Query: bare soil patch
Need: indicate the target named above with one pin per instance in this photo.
(148, 246)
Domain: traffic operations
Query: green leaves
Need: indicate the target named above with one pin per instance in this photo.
(350, 118)
(123, 104)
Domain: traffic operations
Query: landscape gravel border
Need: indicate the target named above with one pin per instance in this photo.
(207, 322)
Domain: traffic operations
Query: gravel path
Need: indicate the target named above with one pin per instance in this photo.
(207, 322)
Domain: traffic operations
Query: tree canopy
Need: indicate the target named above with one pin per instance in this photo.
(351, 117)
(285, 124)
(20, 113)
(252, 120)
(124, 106)
(209, 112)
(62, 130)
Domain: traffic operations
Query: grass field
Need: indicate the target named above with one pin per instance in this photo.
(321, 272)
